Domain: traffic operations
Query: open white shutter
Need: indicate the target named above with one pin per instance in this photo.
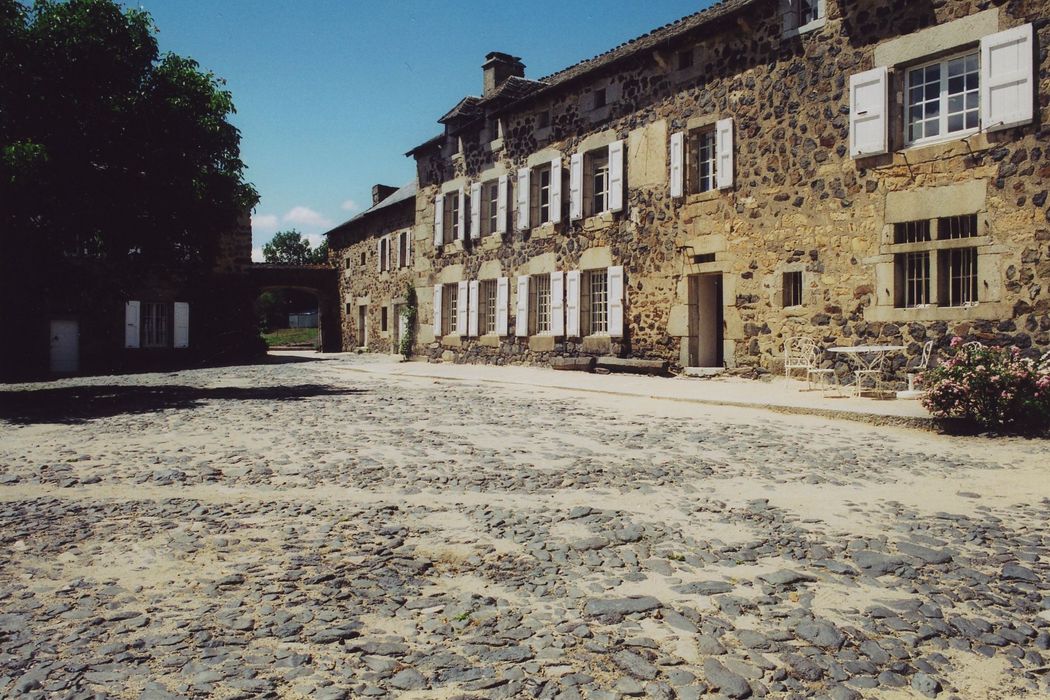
(472, 319)
(572, 304)
(868, 112)
(724, 153)
(502, 304)
(521, 317)
(616, 181)
(437, 311)
(379, 255)
(615, 282)
(182, 324)
(408, 249)
(475, 210)
(1007, 85)
(461, 214)
(461, 308)
(556, 190)
(523, 199)
(439, 220)
(558, 303)
(502, 203)
(576, 187)
(131, 324)
(677, 159)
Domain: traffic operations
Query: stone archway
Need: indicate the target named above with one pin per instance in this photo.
(320, 280)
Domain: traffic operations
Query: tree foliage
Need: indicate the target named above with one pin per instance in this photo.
(110, 151)
(291, 248)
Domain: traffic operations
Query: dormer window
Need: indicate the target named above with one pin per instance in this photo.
(600, 98)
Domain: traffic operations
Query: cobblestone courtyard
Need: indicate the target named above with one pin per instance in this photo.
(305, 530)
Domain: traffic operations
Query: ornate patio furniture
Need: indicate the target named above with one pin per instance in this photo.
(922, 366)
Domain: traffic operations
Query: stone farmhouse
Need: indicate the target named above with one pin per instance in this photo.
(848, 170)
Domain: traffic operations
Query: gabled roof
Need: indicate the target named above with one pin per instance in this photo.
(399, 195)
(467, 107)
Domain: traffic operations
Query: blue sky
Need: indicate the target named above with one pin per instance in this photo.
(330, 94)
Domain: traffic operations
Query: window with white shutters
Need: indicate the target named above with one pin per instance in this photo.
(452, 217)
(541, 304)
(943, 98)
(449, 308)
(490, 207)
(596, 182)
(156, 321)
(541, 195)
(595, 295)
(701, 160)
(487, 307)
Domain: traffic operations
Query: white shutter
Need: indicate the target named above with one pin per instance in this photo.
(677, 159)
(521, 319)
(868, 111)
(408, 248)
(439, 217)
(556, 190)
(572, 304)
(182, 324)
(558, 303)
(475, 210)
(615, 300)
(523, 199)
(1007, 85)
(379, 255)
(576, 187)
(502, 204)
(461, 214)
(393, 245)
(472, 319)
(461, 308)
(502, 304)
(724, 153)
(437, 311)
(616, 181)
(131, 324)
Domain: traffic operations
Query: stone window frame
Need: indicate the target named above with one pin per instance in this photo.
(449, 308)
(791, 15)
(364, 258)
(589, 280)
(487, 307)
(384, 319)
(535, 196)
(594, 160)
(937, 247)
(403, 249)
(694, 138)
(450, 217)
(540, 290)
(792, 288)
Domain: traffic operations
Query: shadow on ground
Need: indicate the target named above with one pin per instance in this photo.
(80, 404)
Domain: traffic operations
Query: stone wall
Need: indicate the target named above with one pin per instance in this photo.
(798, 202)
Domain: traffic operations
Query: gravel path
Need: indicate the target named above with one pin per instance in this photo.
(298, 530)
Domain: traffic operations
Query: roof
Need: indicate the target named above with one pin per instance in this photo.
(403, 193)
(515, 89)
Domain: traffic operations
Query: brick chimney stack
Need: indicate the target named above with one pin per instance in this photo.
(381, 192)
(497, 68)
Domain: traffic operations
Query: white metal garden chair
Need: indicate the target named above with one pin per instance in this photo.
(824, 375)
(873, 370)
(798, 354)
(922, 366)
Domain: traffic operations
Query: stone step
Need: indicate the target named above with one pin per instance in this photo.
(632, 366)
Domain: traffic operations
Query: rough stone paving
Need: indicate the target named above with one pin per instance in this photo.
(301, 530)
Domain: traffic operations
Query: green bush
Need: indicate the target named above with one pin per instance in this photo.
(990, 388)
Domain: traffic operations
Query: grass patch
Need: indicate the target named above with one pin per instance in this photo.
(291, 336)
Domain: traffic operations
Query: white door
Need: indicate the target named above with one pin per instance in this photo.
(65, 346)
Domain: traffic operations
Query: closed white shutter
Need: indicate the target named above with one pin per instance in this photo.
(439, 217)
(556, 190)
(461, 214)
(576, 187)
(615, 300)
(724, 153)
(868, 111)
(475, 210)
(472, 320)
(521, 317)
(557, 303)
(523, 199)
(1007, 85)
(502, 305)
(616, 181)
(131, 324)
(461, 308)
(182, 324)
(677, 159)
(572, 304)
(379, 255)
(502, 204)
(437, 311)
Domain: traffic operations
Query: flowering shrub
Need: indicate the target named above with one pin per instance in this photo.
(994, 388)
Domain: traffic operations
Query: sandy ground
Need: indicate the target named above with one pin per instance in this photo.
(349, 528)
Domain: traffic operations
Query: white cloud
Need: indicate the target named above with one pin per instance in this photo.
(257, 255)
(349, 205)
(315, 239)
(264, 222)
(305, 216)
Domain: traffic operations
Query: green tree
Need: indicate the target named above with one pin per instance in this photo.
(291, 248)
(110, 153)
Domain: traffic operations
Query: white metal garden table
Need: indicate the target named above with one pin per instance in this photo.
(867, 361)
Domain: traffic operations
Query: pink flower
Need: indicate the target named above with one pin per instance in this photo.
(956, 341)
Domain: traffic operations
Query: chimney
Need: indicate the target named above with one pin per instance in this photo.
(497, 68)
(381, 192)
